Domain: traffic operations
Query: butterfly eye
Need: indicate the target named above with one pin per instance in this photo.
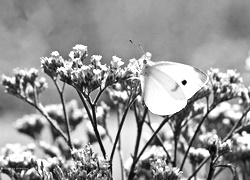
(145, 61)
(184, 82)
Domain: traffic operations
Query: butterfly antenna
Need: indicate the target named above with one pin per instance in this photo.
(140, 49)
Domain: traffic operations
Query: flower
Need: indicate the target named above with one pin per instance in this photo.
(31, 125)
(197, 155)
(116, 62)
(25, 84)
(75, 115)
(79, 53)
(91, 134)
(162, 171)
(226, 86)
(51, 64)
(90, 165)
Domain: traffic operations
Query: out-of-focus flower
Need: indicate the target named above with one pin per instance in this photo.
(91, 134)
(25, 84)
(75, 115)
(241, 153)
(197, 155)
(49, 149)
(118, 94)
(215, 146)
(17, 156)
(223, 118)
(102, 112)
(31, 125)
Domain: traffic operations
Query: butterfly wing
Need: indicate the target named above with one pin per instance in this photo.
(189, 78)
(162, 95)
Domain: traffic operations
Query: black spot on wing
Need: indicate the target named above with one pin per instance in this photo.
(184, 82)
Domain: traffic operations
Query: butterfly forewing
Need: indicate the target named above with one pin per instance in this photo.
(190, 79)
(162, 95)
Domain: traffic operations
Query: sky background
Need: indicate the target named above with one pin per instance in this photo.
(197, 32)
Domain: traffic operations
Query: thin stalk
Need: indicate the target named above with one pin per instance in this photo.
(120, 127)
(234, 128)
(42, 110)
(198, 168)
(52, 122)
(99, 95)
(194, 136)
(85, 106)
(92, 119)
(140, 123)
(160, 141)
(152, 137)
(211, 171)
(60, 91)
(119, 147)
(175, 148)
(98, 137)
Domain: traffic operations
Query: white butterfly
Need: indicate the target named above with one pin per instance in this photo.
(166, 86)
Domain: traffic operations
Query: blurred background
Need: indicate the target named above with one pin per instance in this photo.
(200, 33)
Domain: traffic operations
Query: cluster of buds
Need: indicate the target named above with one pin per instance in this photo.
(31, 125)
(25, 85)
(227, 86)
(162, 171)
(85, 78)
(89, 165)
(215, 146)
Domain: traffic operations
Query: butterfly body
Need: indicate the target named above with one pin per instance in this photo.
(166, 86)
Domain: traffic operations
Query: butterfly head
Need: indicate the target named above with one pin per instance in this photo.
(145, 62)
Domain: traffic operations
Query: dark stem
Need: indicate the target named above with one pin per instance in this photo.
(60, 91)
(160, 141)
(198, 168)
(194, 136)
(85, 106)
(175, 148)
(232, 131)
(120, 127)
(52, 122)
(95, 127)
(99, 95)
(140, 123)
(136, 159)
(92, 119)
(211, 170)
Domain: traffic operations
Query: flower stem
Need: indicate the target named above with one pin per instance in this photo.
(194, 136)
(93, 121)
(140, 123)
(95, 125)
(60, 91)
(136, 159)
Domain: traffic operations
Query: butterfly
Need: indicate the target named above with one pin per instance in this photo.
(167, 86)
